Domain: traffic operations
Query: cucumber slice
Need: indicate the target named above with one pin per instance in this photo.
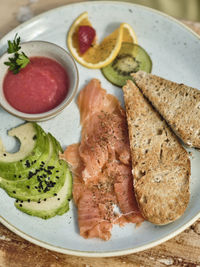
(131, 58)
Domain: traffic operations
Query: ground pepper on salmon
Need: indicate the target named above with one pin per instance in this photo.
(101, 165)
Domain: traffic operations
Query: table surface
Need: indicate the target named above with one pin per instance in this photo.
(183, 250)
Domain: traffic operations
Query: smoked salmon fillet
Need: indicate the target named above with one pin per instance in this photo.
(101, 165)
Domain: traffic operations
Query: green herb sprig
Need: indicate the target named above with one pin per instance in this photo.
(19, 60)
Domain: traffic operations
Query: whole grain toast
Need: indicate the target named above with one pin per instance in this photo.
(177, 103)
(161, 166)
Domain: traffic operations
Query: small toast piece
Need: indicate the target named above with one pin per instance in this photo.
(177, 103)
(161, 166)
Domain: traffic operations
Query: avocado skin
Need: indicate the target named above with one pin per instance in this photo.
(12, 170)
(23, 188)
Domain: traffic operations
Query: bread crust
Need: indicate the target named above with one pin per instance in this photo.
(178, 104)
(161, 166)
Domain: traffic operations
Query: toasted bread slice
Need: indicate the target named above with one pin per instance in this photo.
(161, 166)
(177, 103)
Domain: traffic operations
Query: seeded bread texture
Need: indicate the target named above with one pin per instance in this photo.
(177, 103)
(161, 166)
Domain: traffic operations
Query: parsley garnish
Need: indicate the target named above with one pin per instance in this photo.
(19, 60)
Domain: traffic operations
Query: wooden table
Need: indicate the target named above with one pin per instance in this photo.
(183, 250)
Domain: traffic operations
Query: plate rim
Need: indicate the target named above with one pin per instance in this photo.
(120, 252)
(24, 24)
(92, 254)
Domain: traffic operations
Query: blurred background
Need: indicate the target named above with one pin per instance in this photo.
(14, 12)
(181, 9)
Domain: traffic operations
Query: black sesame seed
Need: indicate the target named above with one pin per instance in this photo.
(58, 198)
(4, 154)
(47, 171)
(30, 174)
(28, 186)
(39, 191)
(38, 201)
(35, 137)
(19, 176)
(45, 199)
(57, 170)
(51, 184)
(28, 200)
(57, 177)
(27, 164)
(40, 186)
(14, 192)
(55, 194)
(21, 201)
(46, 189)
(15, 175)
(50, 167)
(17, 200)
(20, 205)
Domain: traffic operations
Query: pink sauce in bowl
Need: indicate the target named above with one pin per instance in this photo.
(44, 88)
(41, 86)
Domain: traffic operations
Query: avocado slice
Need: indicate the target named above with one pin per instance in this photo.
(33, 145)
(36, 175)
(47, 208)
(30, 166)
(45, 181)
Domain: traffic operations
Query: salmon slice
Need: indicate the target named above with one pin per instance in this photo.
(88, 199)
(91, 101)
(101, 165)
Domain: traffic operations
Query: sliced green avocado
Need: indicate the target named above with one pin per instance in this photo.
(31, 165)
(36, 175)
(45, 181)
(47, 208)
(9, 178)
(33, 144)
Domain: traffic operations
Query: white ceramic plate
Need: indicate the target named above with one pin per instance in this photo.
(174, 50)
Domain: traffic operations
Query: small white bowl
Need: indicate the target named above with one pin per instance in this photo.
(43, 49)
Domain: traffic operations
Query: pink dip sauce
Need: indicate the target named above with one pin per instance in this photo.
(40, 86)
